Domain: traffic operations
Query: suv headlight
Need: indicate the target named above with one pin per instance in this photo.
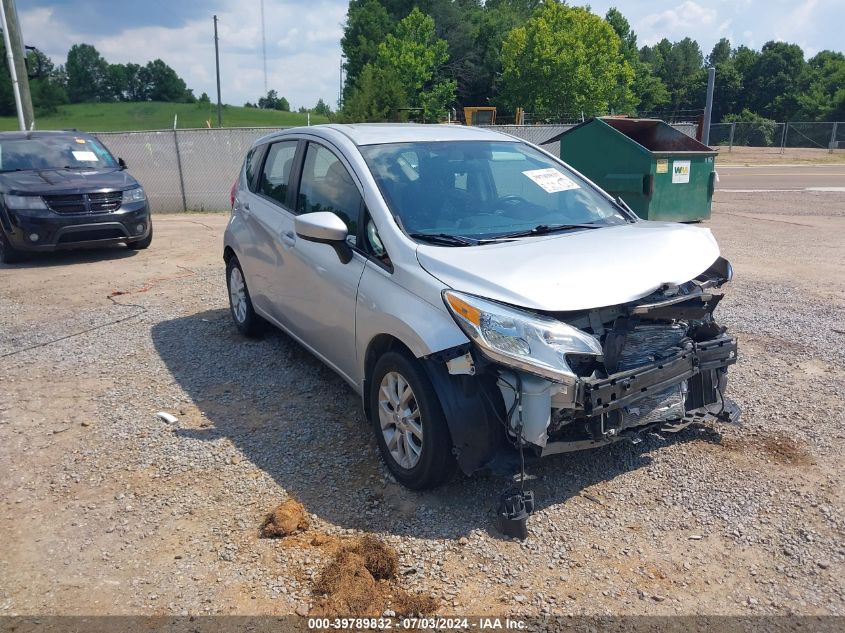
(25, 203)
(134, 195)
(531, 342)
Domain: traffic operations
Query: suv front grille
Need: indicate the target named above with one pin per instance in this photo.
(86, 203)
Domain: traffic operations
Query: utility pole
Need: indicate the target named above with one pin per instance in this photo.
(264, 46)
(708, 108)
(16, 56)
(217, 64)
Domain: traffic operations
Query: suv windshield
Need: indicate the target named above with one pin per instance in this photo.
(483, 190)
(54, 152)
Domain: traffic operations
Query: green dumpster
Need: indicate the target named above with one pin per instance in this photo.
(661, 173)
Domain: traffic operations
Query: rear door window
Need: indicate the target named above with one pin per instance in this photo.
(275, 177)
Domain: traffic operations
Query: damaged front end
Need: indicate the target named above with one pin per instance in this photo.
(561, 382)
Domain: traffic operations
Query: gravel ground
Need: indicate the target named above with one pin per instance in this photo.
(106, 509)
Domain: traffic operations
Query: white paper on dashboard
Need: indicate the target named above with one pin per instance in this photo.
(551, 180)
(85, 156)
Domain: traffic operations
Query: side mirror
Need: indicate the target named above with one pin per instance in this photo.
(121, 163)
(324, 227)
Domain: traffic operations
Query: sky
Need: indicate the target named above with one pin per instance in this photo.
(303, 36)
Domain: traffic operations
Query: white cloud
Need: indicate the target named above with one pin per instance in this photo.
(303, 49)
(676, 23)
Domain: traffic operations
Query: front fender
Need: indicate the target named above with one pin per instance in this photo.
(385, 307)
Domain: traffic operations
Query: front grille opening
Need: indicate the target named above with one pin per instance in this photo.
(91, 235)
(85, 204)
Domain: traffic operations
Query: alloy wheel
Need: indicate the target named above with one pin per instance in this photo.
(399, 416)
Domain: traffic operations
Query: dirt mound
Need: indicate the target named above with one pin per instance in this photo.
(785, 450)
(360, 580)
(288, 518)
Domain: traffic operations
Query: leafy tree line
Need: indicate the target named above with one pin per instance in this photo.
(88, 77)
(272, 101)
(421, 57)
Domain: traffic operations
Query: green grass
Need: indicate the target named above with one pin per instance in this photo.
(112, 117)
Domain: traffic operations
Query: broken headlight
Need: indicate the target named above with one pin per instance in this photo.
(531, 342)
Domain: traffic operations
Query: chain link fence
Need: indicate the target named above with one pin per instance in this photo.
(185, 170)
(827, 135)
(193, 170)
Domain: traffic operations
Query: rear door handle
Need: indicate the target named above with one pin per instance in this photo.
(288, 238)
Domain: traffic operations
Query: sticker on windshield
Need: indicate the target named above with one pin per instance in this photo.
(551, 180)
(85, 156)
(81, 141)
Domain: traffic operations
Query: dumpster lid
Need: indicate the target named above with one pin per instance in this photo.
(654, 135)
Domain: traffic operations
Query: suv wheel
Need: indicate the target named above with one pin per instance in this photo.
(144, 243)
(240, 305)
(409, 423)
(8, 254)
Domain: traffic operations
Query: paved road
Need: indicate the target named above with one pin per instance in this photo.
(781, 178)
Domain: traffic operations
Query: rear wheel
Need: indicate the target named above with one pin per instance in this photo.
(144, 243)
(240, 305)
(8, 254)
(409, 424)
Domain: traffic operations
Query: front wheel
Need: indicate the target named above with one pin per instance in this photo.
(8, 254)
(409, 424)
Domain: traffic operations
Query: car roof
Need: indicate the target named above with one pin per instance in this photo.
(14, 136)
(375, 133)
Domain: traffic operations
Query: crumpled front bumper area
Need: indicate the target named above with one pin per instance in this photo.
(602, 396)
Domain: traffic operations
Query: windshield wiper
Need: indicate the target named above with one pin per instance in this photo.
(445, 239)
(546, 229)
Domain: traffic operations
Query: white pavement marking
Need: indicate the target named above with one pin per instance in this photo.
(811, 165)
(813, 189)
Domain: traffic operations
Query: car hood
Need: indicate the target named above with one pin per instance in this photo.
(53, 181)
(579, 270)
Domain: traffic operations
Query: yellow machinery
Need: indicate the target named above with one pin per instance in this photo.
(486, 115)
(480, 115)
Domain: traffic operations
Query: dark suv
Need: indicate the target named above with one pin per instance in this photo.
(65, 190)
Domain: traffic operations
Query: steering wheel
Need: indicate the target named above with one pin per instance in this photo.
(512, 200)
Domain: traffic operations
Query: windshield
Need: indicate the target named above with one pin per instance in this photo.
(483, 190)
(54, 152)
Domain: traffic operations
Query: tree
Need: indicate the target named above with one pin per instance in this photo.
(116, 84)
(565, 60)
(415, 55)
(272, 101)
(721, 53)
(163, 84)
(378, 95)
(86, 74)
(367, 24)
(205, 100)
(774, 80)
(322, 109)
(648, 92)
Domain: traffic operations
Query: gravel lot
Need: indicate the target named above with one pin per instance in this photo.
(106, 509)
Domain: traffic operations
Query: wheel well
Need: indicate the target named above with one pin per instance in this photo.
(380, 345)
(228, 253)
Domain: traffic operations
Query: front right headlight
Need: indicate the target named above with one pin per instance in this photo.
(134, 195)
(516, 338)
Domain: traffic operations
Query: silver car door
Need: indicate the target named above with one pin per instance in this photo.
(271, 219)
(317, 290)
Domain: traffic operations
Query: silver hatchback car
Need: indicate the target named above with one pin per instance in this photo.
(483, 298)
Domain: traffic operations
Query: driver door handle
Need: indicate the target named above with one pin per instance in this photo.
(288, 238)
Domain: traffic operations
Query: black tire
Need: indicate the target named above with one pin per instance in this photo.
(250, 324)
(8, 254)
(436, 464)
(144, 243)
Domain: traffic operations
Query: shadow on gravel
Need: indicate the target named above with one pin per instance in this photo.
(72, 257)
(292, 417)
